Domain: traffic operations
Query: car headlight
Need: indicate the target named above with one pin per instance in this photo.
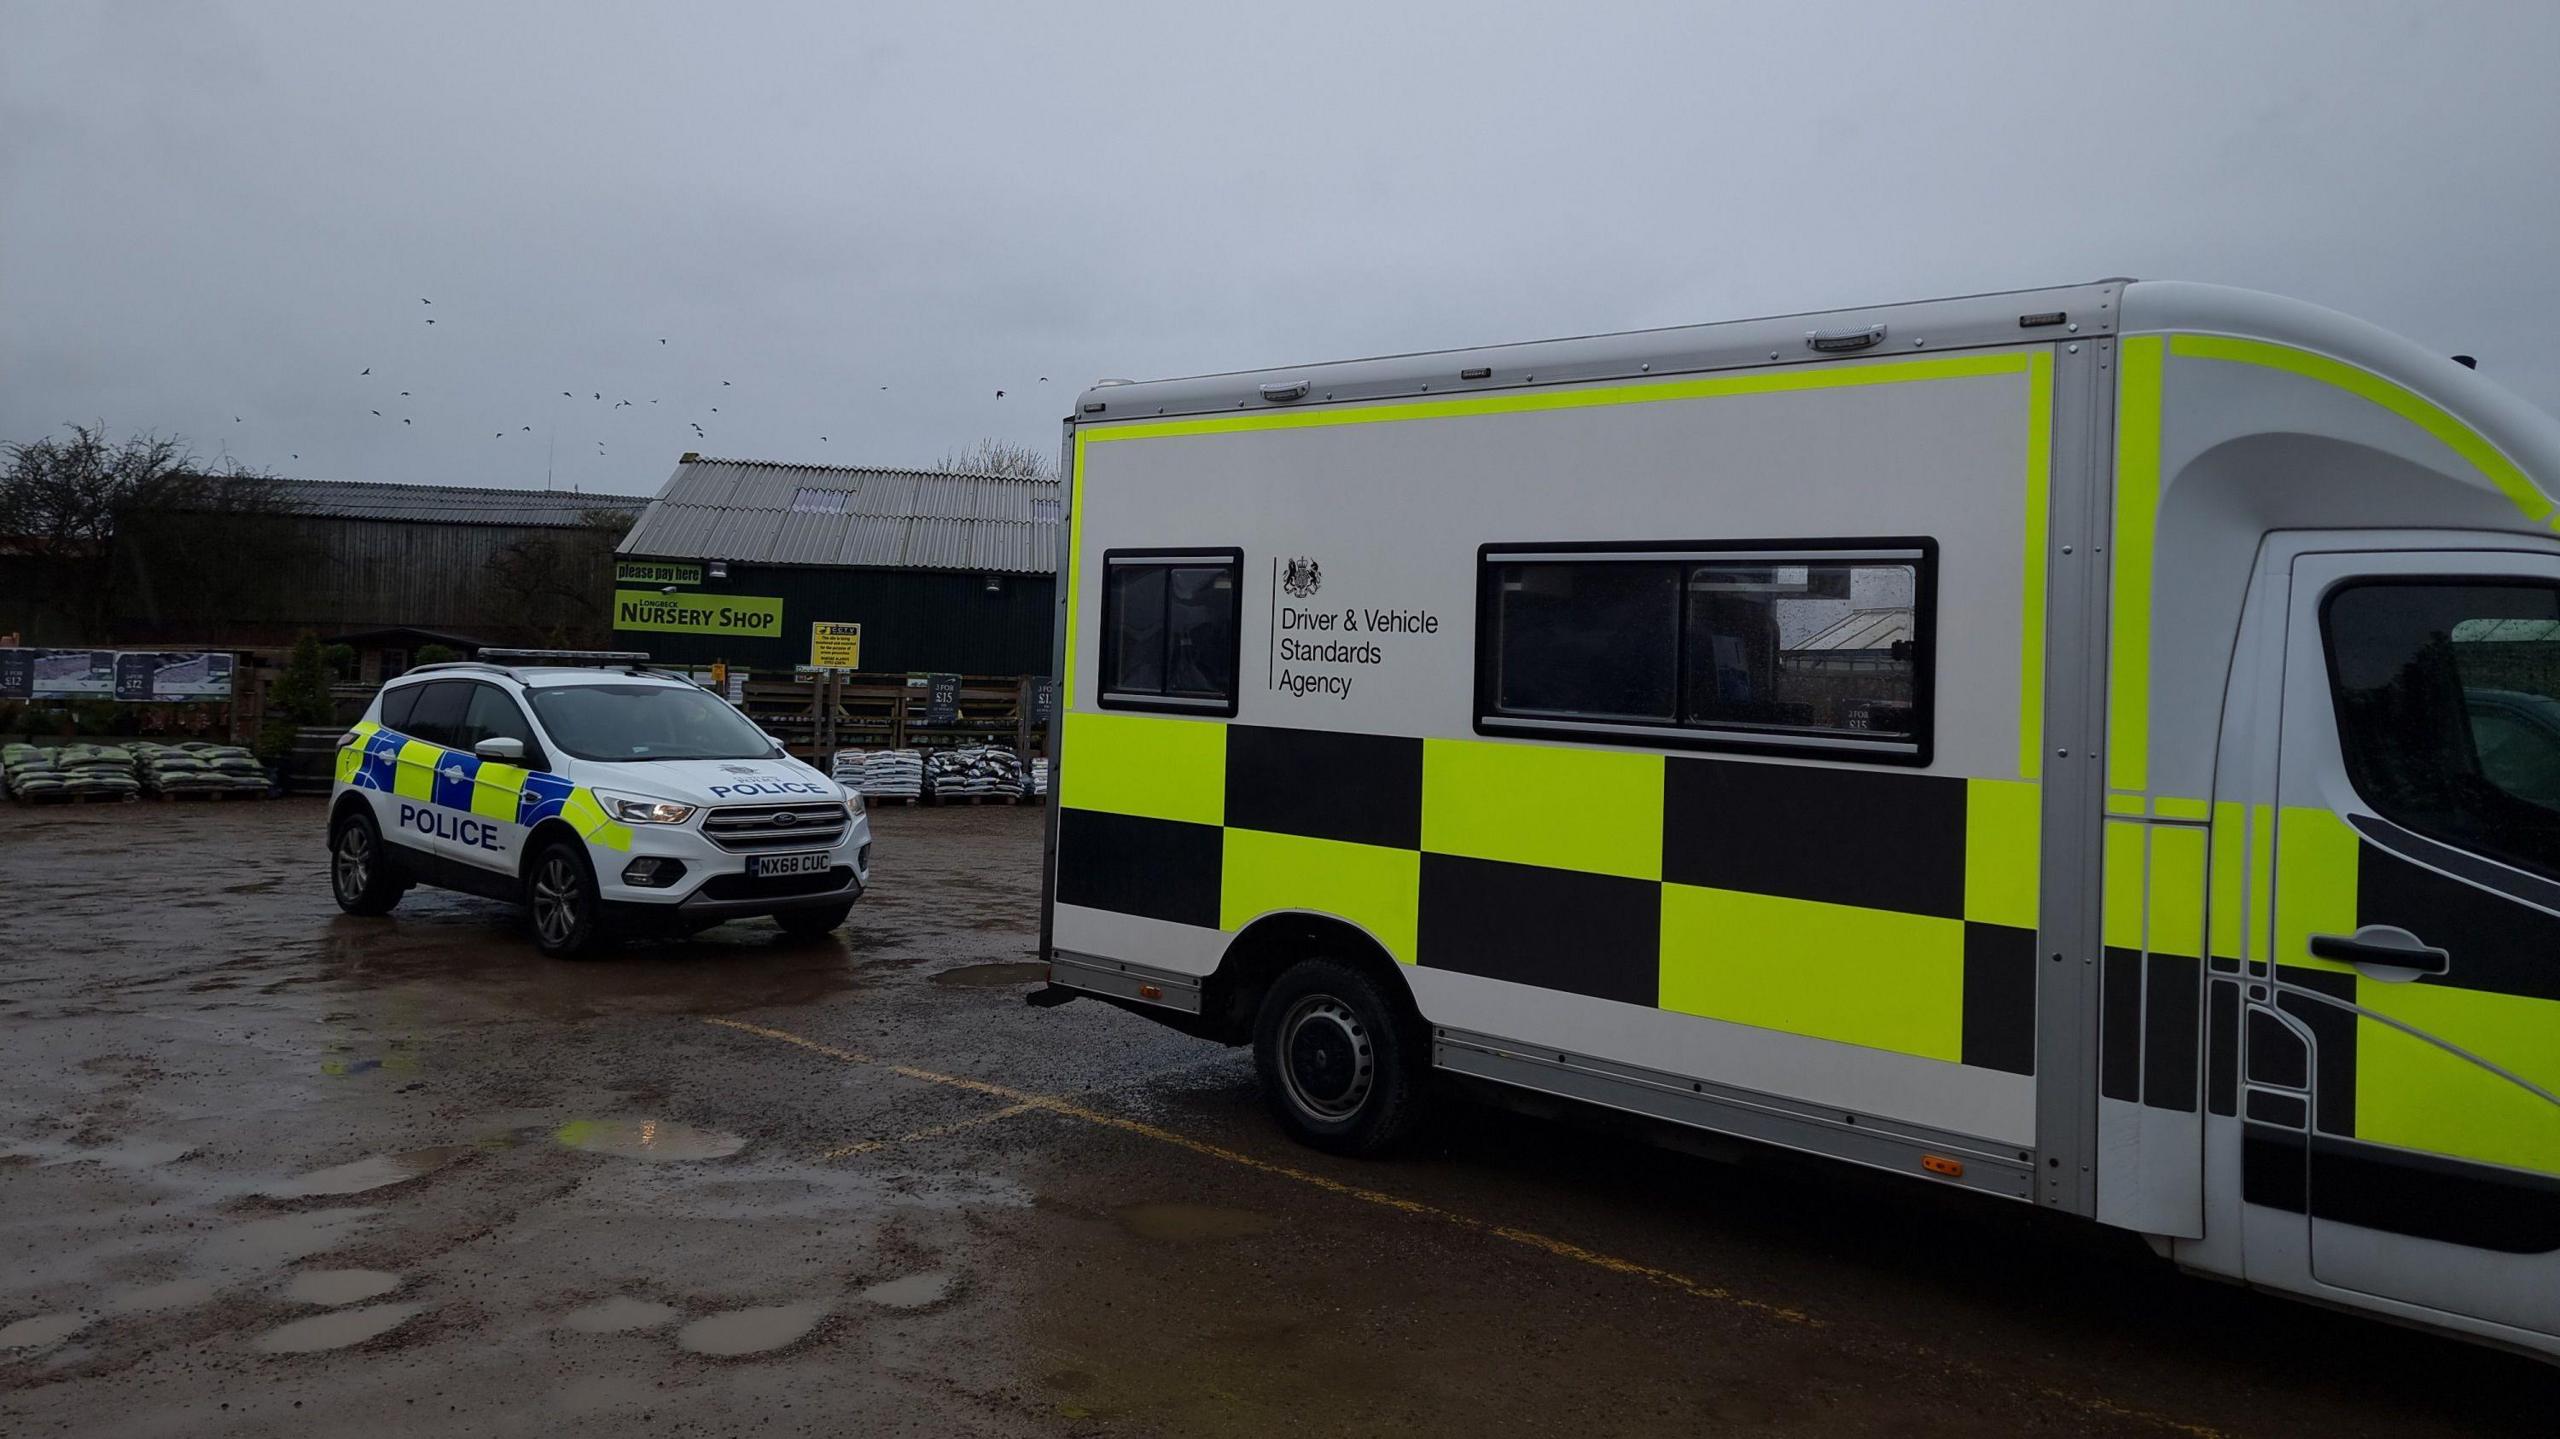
(638, 809)
(853, 803)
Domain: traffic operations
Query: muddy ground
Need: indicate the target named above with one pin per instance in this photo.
(265, 1169)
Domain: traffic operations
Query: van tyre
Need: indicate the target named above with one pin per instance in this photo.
(361, 874)
(560, 889)
(810, 923)
(1341, 1069)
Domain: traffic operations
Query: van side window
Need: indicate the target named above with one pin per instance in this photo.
(1777, 647)
(2448, 702)
(1170, 629)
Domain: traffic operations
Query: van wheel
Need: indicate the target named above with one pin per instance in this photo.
(360, 874)
(561, 892)
(810, 923)
(1340, 1069)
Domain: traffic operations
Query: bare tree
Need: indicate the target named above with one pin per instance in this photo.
(78, 499)
(1001, 457)
(556, 586)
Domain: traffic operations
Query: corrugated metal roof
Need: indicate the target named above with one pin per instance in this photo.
(446, 504)
(757, 513)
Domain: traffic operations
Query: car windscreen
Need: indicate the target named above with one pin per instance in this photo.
(630, 722)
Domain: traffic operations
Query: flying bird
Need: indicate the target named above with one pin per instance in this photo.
(404, 394)
(430, 322)
(822, 439)
(564, 394)
(297, 457)
(367, 370)
(404, 421)
(715, 409)
(599, 394)
(724, 382)
(662, 342)
(500, 435)
(235, 419)
(1044, 379)
(424, 301)
(999, 394)
(528, 427)
(377, 412)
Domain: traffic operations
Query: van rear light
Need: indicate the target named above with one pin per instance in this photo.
(1940, 1164)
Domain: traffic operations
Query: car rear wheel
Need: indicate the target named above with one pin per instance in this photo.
(360, 874)
(561, 891)
(1341, 1069)
(810, 923)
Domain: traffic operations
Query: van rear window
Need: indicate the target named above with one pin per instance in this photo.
(1772, 646)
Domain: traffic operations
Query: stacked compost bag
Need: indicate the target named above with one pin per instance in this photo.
(974, 772)
(31, 773)
(846, 767)
(1039, 778)
(892, 774)
(97, 771)
(198, 768)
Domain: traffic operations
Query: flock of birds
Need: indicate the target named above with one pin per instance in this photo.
(700, 434)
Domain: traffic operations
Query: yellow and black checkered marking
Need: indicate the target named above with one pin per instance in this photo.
(1884, 909)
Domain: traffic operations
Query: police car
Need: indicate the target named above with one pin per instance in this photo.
(601, 798)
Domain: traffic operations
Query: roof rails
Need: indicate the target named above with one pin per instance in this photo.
(454, 665)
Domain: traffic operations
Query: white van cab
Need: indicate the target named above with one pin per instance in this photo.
(601, 798)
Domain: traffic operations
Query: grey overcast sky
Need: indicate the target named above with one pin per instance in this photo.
(215, 216)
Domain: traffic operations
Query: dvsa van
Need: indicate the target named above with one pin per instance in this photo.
(602, 799)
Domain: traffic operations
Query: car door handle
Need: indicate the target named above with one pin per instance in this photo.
(2384, 946)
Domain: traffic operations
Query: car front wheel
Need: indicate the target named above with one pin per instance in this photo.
(561, 892)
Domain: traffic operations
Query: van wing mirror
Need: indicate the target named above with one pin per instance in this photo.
(508, 751)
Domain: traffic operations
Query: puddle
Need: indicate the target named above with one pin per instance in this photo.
(992, 976)
(263, 1244)
(752, 1331)
(336, 1329)
(1191, 1223)
(913, 1291)
(658, 1140)
(619, 1315)
(380, 1172)
(43, 1331)
(160, 1298)
(126, 1154)
(339, 1286)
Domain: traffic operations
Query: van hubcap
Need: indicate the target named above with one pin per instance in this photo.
(556, 891)
(1326, 1059)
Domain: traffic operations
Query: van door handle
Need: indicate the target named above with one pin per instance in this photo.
(2383, 946)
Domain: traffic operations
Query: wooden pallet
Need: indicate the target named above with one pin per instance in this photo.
(171, 796)
(977, 799)
(79, 798)
(874, 801)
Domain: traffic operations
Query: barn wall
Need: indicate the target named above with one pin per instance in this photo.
(911, 620)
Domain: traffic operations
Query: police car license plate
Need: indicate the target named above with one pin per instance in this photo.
(766, 866)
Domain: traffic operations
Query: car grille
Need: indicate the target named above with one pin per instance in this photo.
(754, 828)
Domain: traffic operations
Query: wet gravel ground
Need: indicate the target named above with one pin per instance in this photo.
(265, 1169)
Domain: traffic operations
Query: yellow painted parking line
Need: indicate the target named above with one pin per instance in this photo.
(937, 1131)
(1562, 1249)
(1023, 1101)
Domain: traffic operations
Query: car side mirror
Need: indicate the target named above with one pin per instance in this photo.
(509, 751)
